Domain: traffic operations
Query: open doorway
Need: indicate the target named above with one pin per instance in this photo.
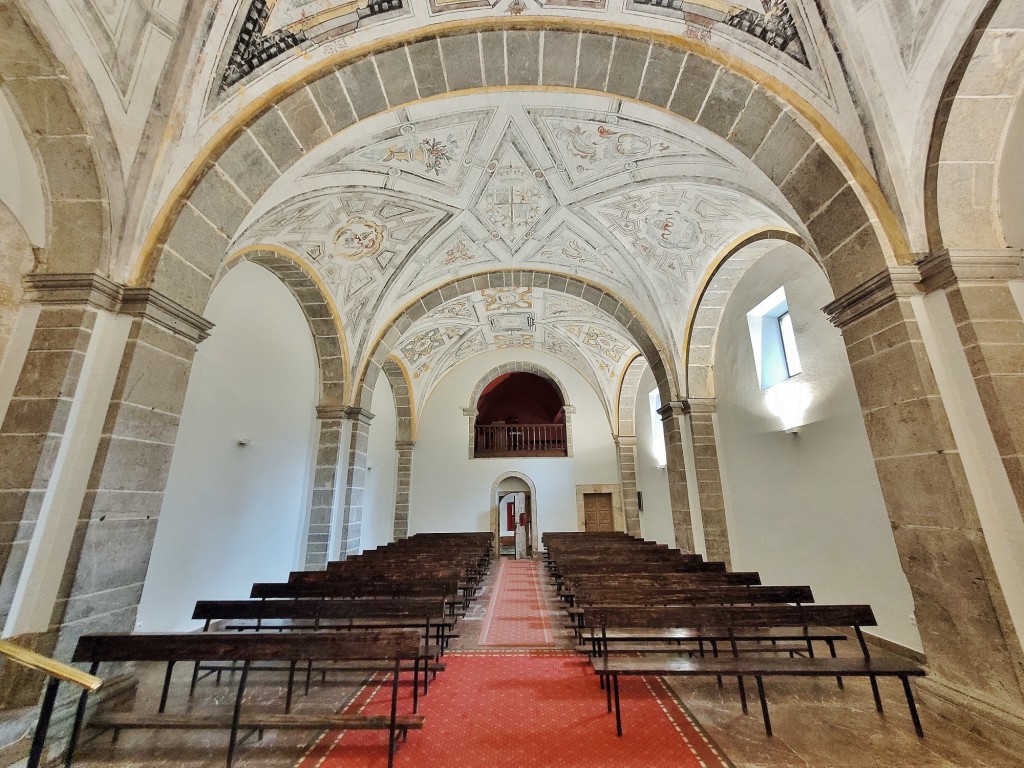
(513, 522)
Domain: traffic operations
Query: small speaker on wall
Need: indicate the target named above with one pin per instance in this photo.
(640, 500)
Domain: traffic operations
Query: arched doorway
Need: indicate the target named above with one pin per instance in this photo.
(513, 515)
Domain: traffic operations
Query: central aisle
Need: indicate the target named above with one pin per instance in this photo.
(533, 702)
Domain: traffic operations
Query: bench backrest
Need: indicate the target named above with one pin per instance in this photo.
(724, 616)
(243, 646)
(255, 610)
(641, 580)
(669, 595)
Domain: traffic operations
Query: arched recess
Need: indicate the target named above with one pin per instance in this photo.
(625, 441)
(709, 303)
(519, 367)
(969, 132)
(827, 185)
(42, 97)
(317, 307)
(643, 336)
(405, 436)
(629, 387)
(533, 507)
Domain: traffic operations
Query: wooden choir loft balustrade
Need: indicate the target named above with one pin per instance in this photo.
(520, 440)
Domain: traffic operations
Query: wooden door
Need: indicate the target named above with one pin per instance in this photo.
(597, 512)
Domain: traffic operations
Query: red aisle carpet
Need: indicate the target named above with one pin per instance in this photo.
(517, 615)
(542, 709)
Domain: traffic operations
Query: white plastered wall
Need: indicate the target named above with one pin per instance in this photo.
(382, 466)
(233, 514)
(804, 508)
(451, 492)
(651, 480)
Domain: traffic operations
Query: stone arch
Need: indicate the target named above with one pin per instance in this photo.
(533, 507)
(968, 134)
(75, 192)
(319, 310)
(709, 304)
(625, 403)
(519, 366)
(829, 188)
(401, 389)
(645, 339)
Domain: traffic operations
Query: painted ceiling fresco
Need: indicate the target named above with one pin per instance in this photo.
(265, 30)
(516, 318)
(414, 201)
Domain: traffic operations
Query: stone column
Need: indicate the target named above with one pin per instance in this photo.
(107, 369)
(672, 415)
(979, 287)
(325, 481)
(973, 651)
(355, 482)
(403, 487)
(625, 446)
(709, 479)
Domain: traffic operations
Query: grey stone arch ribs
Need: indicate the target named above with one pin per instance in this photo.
(405, 442)
(854, 230)
(518, 367)
(625, 441)
(332, 374)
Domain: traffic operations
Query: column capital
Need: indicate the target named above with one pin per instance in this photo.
(405, 445)
(702, 405)
(876, 292)
(470, 411)
(343, 413)
(946, 268)
(90, 289)
(674, 408)
(625, 441)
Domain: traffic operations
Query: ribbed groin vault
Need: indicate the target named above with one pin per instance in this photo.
(408, 201)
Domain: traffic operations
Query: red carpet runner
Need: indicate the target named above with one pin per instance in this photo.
(517, 615)
(539, 709)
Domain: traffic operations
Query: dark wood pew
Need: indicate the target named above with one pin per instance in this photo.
(633, 579)
(394, 646)
(732, 618)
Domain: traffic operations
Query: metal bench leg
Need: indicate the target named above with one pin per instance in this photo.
(291, 686)
(195, 679)
(39, 739)
(764, 706)
(607, 690)
(875, 693)
(79, 717)
(416, 684)
(309, 674)
(912, 706)
(832, 650)
(392, 745)
(743, 694)
(166, 688)
(618, 714)
(237, 714)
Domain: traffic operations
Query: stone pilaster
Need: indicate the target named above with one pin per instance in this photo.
(625, 446)
(709, 479)
(403, 487)
(325, 482)
(961, 611)
(355, 479)
(988, 320)
(672, 415)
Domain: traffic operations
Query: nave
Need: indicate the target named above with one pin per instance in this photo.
(515, 691)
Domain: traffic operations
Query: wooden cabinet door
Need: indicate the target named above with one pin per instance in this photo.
(597, 512)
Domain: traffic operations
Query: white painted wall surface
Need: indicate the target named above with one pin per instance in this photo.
(232, 514)
(651, 480)
(382, 465)
(20, 188)
(451, 492)
(805, 508)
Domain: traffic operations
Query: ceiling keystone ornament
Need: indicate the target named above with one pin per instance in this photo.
(498, 299)
(358, 238)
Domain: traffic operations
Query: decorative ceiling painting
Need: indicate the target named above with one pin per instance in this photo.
(516, 318)
(414, 200)
(264, 32)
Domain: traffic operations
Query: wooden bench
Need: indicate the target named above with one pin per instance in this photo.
(394, 646)
(733, 618)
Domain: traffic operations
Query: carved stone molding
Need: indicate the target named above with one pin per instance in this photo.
(343, 413)
(625, 441)
(674, 408)
(873, 294)
(405, 444)
(941, 270)
(701, 405)
(94, 290)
